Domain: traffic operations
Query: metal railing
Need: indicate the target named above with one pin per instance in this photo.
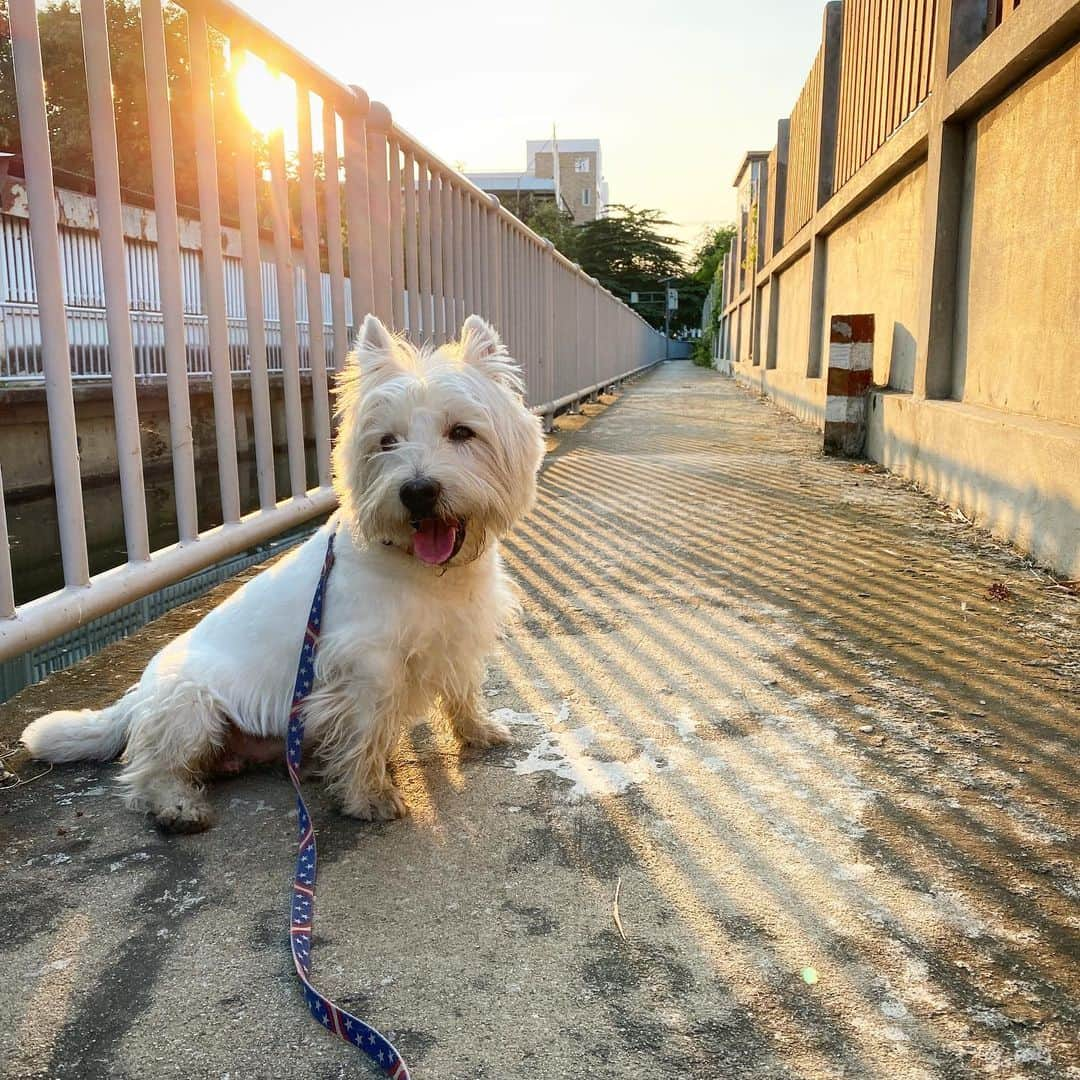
(85, 299)
(409, 238)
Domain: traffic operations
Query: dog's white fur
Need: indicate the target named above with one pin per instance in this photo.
(398, 634)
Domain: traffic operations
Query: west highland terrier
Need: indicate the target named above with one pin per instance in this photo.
(436, 458)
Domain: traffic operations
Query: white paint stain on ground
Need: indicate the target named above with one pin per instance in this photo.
(576, 754)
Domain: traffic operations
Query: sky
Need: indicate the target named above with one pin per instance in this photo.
(676, 92)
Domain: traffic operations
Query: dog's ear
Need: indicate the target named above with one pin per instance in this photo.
(376, 352)
(482, 348)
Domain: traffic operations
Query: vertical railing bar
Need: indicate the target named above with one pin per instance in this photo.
(169, 270)
(459, 256)
(438, 286)
(213, 265)
(411, 251)
(397, 250)
(286, 296)
(449, 280)
(358, 210)
(309, 225)
(487, 262)
(45, 243)
(334, 252)
(378, 125)
(424, 328)
(7, 582)
(466, 239)
(478, 259)
(114, 274)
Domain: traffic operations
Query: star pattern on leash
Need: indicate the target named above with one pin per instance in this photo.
(344, 1024)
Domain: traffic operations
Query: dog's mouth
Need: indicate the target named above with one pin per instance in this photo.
(437, 540)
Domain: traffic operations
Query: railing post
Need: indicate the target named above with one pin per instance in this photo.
(397, 251)
(254, 308)
(457, 207)
(446, 210)
(357, 208)
(7, 586)
(548, 392)
(45, 244)
(286, 290)
(168, 256)
(378, 126)
(425, 325)
(469, 300)
(959, 24)
(596, 333)
(494, 263)
(309, 227)
(113, 268)
(435, 202)
(213, 266)
(412, 269)
(335, 256)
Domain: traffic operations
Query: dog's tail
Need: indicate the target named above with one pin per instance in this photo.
(79, 734)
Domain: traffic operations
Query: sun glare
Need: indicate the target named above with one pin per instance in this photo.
(267, 99)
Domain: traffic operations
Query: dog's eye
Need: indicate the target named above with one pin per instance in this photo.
(461, 433)
(388, 442)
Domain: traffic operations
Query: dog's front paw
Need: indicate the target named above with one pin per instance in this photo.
(384, 805)
(183, 817)
(484, 734)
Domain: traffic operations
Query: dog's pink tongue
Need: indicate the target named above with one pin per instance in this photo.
(433, 541)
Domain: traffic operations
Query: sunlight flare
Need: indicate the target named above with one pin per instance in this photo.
(266, 98)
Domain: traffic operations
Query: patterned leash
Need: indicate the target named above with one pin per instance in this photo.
(341, 1023)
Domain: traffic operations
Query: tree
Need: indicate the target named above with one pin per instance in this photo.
(627, 251)
(60, 30)
(708, 256)
(554, 225)
(707, 265)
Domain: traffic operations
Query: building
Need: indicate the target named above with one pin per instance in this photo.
(581, 188)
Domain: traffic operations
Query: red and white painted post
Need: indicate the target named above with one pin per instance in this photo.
(851, 369)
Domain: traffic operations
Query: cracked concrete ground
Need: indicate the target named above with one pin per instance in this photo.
(767, 694)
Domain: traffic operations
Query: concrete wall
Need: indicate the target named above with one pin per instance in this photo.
(873, 266)
(961, 234)
(1014, 475)
(1018, 294)
(793, 318)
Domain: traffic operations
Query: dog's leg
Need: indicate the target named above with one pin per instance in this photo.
(355, 764)
(170, 743)
(469, 719)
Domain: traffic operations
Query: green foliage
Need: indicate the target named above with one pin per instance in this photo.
(708, 257)
(68, 112)
(553, 224)
(707, 264)
(628, 251)
(68, 118)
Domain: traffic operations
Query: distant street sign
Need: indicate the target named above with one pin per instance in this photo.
(633, 298)
(673, 299)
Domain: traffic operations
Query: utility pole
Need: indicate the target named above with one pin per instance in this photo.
(667, 316)
(555, 170)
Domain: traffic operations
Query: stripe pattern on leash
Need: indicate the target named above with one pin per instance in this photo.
(341, 1023)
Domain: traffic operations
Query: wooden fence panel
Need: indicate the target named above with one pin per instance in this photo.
(997, 11)
(804, 140)
(886, 59)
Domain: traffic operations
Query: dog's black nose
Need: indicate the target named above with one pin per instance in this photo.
(420, 496)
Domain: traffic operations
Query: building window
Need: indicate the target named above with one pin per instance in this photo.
(581, 164)
(586, 197)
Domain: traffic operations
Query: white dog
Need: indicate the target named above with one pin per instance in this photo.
(436, 458)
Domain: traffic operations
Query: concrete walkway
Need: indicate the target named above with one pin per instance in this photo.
(767, 695)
